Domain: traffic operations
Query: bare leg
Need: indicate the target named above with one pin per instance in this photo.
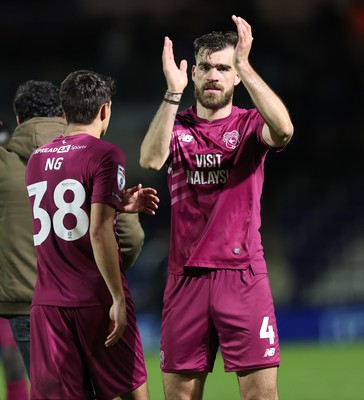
(141, 393)
(260, 384)
(184, 386)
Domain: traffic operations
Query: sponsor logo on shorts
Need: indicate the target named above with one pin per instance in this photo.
(270, 352)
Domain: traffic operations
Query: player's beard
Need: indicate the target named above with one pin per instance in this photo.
(213, 101)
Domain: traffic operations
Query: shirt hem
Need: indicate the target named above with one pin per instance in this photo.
(257, 267)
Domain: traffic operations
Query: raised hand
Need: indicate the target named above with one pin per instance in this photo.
(176, 77)
(244, 45)
(138, 199)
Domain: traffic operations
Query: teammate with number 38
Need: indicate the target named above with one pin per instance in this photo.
(84, 337)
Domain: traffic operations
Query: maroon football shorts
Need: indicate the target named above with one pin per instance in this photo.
(68, 353)
(205, 309)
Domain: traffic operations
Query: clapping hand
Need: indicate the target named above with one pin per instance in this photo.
(176, 75)
(244, 45)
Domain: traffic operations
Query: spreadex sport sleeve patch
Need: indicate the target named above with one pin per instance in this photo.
(109, 182)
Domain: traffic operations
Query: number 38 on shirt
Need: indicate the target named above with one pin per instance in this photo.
(38, 190)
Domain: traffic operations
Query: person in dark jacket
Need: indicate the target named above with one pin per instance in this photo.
(40, 119)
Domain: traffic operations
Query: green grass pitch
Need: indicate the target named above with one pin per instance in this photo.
(308, 372)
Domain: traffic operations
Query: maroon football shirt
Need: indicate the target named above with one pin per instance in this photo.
(64, 178)
(215, 178)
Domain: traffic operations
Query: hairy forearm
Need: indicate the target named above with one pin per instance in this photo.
(155, 147)
(272, 109)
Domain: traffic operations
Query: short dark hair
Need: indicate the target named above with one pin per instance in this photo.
(215, 41)
(83, 93)
(37, 99)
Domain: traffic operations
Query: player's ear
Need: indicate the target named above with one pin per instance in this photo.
(18, 120)
(103, 111)
(237, 80)
(193, 72)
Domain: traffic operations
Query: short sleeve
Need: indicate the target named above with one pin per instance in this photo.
(109, 181)
(256, 123)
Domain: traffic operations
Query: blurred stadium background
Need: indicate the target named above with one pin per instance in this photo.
(312, 53)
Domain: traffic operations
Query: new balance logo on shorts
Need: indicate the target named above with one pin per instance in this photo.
(270, 352)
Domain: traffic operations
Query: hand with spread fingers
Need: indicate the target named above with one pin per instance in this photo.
(138, 199)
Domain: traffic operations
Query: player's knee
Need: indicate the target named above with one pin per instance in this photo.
(261, 395)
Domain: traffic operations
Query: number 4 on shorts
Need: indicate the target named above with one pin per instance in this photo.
(266, 331)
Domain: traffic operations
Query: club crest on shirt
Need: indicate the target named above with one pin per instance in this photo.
(121, 177)
(231, 139)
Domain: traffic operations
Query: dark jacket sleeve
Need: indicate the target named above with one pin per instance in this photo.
(131, 237)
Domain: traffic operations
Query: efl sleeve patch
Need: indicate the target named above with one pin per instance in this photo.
(121, 177)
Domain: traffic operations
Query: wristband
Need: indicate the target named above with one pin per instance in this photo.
(171, 101)
(171, 93)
